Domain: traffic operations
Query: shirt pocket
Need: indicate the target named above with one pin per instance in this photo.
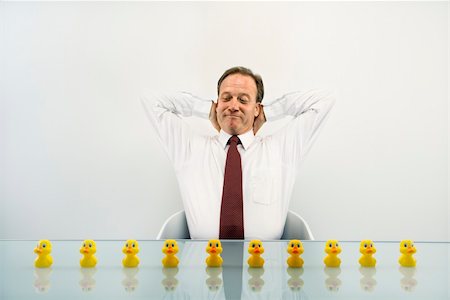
(263, 186)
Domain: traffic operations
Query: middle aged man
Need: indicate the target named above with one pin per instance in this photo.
(235, 184)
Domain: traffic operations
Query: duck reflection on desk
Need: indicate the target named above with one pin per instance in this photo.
(169, 282)
(408, 282)
(332, 283)
(42, 279)
(214, 282)
(295, 283)
(255, 283)
(87, 282)
(367, 281)
(130, 283)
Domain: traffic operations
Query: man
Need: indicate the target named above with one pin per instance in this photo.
(266, 172)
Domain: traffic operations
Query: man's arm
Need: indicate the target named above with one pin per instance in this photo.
(166, 112)
(309, 111)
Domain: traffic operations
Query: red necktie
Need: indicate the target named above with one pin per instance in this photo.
(232, 212)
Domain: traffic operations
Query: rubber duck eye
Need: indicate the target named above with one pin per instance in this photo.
(44, 245)
(210, 244)
(133, 246)
(167, 245)
(217, 244)
(173, 245)
(412, 245)
(365, 245)
(126, 245)
(292, 245)
(337, 245)
(84, 245)
(330, 245)
(90, 245)
(371, 245)
(253, 245)
(405, 245)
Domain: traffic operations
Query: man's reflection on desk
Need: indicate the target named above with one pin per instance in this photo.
(87, 282)
(332, 283)
(214, 282)
(367, 282)
(42, 279)
(130, 282)
(408, 282)
(235, 274)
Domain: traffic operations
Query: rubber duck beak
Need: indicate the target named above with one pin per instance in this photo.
(256, 250)
(213, 250)
(369, 250)
(170, 250)
(295, 250)
(410, 250)
(129, 250)
(86, 250)
(38, 250)
(334, 250)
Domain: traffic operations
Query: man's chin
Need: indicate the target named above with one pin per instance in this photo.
(235, 131)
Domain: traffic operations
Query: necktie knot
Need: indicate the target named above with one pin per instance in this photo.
(234, 139)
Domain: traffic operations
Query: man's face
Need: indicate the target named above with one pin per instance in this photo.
(236, 106)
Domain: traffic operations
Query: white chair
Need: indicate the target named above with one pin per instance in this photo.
(296, 228)
(176, 227)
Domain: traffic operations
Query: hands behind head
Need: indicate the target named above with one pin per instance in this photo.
(259, 120)
(258, 123)
(213, 116)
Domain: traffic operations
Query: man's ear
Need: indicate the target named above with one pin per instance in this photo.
(257, 109)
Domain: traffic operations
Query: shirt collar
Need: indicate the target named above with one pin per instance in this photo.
(245, 138)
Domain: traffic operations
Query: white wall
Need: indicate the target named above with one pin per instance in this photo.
(79, 159)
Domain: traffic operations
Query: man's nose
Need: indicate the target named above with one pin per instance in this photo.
(234, 104)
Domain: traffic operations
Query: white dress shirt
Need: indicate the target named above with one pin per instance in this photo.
(269, 164)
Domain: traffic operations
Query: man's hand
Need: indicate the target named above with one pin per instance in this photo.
(213, 116)
(259, 120)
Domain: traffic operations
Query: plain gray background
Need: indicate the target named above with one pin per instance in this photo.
(78, 158)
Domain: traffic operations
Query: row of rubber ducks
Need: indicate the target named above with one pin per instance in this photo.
(214, 249)
(88, 250)
(295, 249)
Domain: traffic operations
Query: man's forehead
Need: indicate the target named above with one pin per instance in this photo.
(238, 83)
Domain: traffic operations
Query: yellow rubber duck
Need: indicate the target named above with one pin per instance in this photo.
(407, 250)
(170, 249)
(255, 249)
(367, 249)
(214, 249)
(43, 250)
(130, 250)
(332, 249)
(88, 249)
(295, 248)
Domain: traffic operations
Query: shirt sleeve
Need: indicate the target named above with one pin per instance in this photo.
(166, 113)
(309, 111)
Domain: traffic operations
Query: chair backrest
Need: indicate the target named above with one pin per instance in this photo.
(176, 227)
(296, 228)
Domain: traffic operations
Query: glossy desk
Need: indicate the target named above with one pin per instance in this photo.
(192, 280)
